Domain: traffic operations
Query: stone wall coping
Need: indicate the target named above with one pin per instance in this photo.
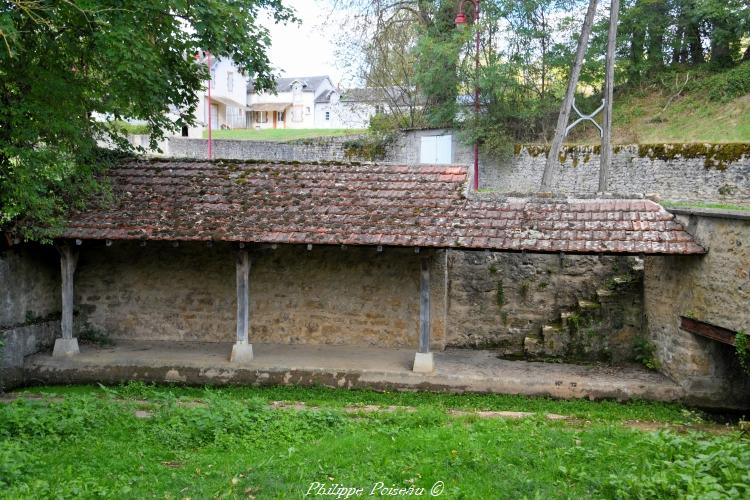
(719, 213)
(547, 196)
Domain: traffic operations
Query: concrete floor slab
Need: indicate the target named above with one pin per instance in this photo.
(456, 370)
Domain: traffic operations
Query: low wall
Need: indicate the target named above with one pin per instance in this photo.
(680, 172)
(714, 289)
(22, 341)
(322, 149)
(327, 295)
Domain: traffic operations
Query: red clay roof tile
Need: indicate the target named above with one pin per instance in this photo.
(363, 205)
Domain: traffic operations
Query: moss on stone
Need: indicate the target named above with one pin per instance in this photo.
(717, 156)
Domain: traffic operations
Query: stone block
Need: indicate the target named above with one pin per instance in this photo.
(533, 346)
(424, 362)
(65, 347)
(555, 340)
(242, 352)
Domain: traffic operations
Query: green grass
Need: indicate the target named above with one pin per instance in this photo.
(698, 204)
(711, 107)
(280, 134)
(88, 442)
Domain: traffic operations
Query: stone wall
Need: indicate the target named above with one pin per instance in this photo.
(676, 172)
(22, 341)
(323, 149)
(355, 296)
(29, 284)
(714, 289)
(29, 306)
(323, 296)
(499, 300)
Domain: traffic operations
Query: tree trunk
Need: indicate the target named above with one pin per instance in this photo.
(562, 120)
(657, 26)
(637, 41)
(693, 38)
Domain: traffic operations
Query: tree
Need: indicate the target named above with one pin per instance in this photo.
(70, 69)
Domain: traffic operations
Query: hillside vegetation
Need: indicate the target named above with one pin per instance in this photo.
(687, 105)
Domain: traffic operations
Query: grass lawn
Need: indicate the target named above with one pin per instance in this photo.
(280, 134)
(698, 204)
(138, 441)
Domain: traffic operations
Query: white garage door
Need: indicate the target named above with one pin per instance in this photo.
(436, 149)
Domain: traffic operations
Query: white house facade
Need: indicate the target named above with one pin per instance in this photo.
(298, 103)
(228, 108)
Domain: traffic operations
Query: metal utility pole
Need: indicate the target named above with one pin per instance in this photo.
(208, 107)
(460, 22)
(575, 73)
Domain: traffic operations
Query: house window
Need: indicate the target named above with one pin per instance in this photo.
(280, 116)
(379, 109)
(261, 116)
(230, 81)
(328, 115)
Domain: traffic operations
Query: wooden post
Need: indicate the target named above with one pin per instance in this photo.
(423, 360)
(609, 87)
(242, 351)
(67, 345)
(562, 120)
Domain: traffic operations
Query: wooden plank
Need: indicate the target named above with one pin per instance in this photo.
(243, 292)
(424, 305)
(68, 261)
(708, 330)
(605, 160)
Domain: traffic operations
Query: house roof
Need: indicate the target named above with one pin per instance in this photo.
(353, 204)
(324, 97)
(393, 94)
(309, 83)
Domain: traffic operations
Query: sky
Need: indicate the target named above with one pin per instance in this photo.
(307, 49)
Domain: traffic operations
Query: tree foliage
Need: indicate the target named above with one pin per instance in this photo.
(69, 68)
(527, 48)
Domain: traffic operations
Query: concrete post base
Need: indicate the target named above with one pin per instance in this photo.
(65, 347)
(241, 353)
(423, 362)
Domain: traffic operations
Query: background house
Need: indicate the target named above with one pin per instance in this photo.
(228, 107)
(297, 103)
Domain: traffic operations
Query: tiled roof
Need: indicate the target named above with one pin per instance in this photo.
(363, 205)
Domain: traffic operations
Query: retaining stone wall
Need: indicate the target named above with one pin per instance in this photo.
(714, 288)
(676, 172)
(496, 300)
